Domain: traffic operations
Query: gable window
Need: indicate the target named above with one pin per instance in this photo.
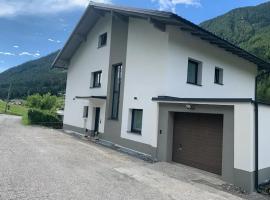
(219, 76)
(102, 41)
(85, 111)
(136, 121)
(194, 72)
(116, 82)
(96, 79)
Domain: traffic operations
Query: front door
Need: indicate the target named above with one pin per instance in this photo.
(97, 115)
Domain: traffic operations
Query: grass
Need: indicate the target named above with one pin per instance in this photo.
(15, 110)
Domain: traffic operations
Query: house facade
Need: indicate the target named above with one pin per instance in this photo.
(157, 84)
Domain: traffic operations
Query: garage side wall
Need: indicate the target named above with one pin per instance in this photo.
(264, 142)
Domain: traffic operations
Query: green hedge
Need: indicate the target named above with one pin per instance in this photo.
(44, 118)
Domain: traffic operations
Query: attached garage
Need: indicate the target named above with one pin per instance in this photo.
(197, 140)
(199, 135)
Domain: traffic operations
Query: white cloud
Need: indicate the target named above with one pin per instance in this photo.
(6, 53)
(171, 4)
(52, 40)
(37, 7)
(16, 46)
(25, 53)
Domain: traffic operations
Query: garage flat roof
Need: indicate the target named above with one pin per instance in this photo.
(159, 18)
(177, 99)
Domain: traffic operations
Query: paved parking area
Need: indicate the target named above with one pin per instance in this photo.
(40, 163)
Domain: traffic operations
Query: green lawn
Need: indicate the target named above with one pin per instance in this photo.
(14, 109)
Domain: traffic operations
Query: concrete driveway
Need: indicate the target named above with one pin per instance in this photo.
(40, 163)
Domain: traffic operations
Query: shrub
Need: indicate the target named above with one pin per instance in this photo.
(44, 118)
(34, 101)
(44, 102)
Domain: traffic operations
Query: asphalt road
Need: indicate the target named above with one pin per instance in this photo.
(40, 163)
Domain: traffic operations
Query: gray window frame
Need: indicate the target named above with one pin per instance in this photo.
(134, 130)
(117, 71)
(218, 77)
(198, 72)
(96, 76)
(100, 40)
(85, 111)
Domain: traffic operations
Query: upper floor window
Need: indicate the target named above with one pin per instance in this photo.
(136, 121)
(85, 111)
(219, 76)
(96, 79)
(102, 40)
(116, 82)
(194, 75)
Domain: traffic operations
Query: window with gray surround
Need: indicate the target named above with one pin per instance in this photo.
(102, 40)
(136, 121)
(116, 82)
(194, 74)
(219, 76)
(85, 111)
(96, 79)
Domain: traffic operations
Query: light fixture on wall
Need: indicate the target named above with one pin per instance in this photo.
(189, 107)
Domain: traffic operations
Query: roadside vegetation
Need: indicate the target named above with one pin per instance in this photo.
(37, 110)
(42, 110)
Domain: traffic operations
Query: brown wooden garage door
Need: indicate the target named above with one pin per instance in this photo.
(197, 141)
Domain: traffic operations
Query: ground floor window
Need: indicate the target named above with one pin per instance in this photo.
(136, 121)
(85, 111)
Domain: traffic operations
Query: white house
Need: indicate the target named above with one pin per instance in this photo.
(158, 84)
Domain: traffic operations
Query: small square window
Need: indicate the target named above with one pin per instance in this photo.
(102, 41)
(136, 121)
(194, 75)
(96, 79)
(85, 112)
(219, 76)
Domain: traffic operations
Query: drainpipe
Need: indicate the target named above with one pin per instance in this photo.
(256, 135)
(258, 77)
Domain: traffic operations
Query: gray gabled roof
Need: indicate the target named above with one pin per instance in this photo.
(158, 18)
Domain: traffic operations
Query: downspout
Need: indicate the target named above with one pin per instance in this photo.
(256, 104)
(256, 135)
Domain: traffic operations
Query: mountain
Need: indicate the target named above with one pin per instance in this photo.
(33, 77)
(247, 27)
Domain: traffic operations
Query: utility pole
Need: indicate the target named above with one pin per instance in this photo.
(9, 90)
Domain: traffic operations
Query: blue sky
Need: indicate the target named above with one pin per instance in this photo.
(31, 29)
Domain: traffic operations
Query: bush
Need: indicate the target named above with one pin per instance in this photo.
(44, 118)
(44, 102)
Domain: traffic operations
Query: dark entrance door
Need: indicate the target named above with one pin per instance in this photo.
(97, 116)
(197, 141)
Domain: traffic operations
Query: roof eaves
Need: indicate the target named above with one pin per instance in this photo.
(260, 62)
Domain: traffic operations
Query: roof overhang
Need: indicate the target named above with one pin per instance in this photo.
(158, 18)
(91, 97)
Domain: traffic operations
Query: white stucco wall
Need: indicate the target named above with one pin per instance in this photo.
(156, 65)
(244, 134)
(145, 62)
(88, 58)
(264, 136)
(238, 74)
